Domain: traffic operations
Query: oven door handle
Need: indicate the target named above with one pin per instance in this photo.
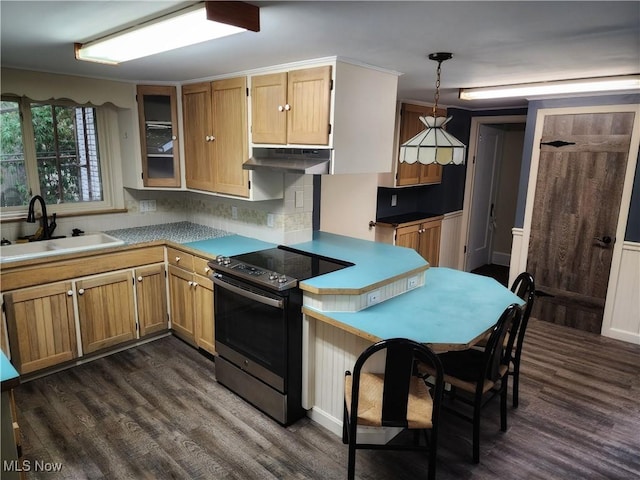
(272, 302)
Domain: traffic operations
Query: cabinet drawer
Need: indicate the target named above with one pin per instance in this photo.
(200, 266)
(180, 259)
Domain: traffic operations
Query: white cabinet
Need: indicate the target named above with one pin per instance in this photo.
(361, 116)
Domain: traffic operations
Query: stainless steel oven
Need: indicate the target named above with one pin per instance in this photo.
(258, 326)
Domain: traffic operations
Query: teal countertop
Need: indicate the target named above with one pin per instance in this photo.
(8, 374)
(375, 262)
(452, 309)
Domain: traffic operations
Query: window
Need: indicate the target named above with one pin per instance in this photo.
(51, 149)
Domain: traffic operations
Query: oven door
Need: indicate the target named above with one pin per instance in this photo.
(251, 329)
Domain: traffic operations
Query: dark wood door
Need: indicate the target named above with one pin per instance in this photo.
(583, 159)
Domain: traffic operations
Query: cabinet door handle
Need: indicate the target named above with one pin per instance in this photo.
(280, 108)
(177, 259)
(287, 107)
(70, 293)
(195, 284)
(206, 269)
(81, 291)
(140, 278)
(173, 137)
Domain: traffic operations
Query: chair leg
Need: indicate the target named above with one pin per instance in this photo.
(516, 383)
(351, 465)
(476, 429)
(433, 446)
(503, 402)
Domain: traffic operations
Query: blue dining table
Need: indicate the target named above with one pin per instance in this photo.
(452, 311)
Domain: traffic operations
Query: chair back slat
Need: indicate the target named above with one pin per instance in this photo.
(496, 353)
(398, 371)
(401, 357)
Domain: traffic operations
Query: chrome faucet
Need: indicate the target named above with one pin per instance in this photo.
(31, 216)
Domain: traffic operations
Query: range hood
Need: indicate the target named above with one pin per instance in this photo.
(290, 160)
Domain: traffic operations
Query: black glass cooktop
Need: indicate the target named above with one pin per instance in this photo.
(291, 262)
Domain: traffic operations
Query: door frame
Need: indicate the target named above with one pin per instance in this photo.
(521, 255)
(474, 138)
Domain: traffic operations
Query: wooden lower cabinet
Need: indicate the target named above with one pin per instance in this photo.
(151, 295)
(205, 325)
(423, 237)
(106, 310)
(192, 316)
(41, 326)
(182, 306)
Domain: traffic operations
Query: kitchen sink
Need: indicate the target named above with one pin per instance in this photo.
(57, 246)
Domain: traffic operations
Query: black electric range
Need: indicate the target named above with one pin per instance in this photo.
(279, 268)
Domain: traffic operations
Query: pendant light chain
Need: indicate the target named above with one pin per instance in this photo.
(437, 95)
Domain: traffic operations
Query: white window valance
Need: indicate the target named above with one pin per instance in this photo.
(51, 86)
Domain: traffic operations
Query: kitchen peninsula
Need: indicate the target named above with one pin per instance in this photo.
(389, 291)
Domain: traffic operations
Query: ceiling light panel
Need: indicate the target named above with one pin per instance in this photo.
(186, 27)
(589, 85)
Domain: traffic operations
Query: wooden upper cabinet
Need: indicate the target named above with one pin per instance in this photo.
(292, 107)
(198, 134)
(231, 148)
(268, 100)
(158, 117)
(215, 136)
(410, 126)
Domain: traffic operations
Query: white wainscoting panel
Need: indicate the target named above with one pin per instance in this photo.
(518, 257)
(622, 309)
(450, 243)
(332, 352)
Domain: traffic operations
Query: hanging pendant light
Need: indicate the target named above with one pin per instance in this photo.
(434, 145)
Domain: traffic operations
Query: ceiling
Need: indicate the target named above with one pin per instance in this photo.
(493, 43)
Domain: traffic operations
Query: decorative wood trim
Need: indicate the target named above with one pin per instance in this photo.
(238, 14)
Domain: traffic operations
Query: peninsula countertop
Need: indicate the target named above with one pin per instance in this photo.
(375, 263)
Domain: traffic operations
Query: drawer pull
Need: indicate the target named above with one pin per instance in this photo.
(177, 259)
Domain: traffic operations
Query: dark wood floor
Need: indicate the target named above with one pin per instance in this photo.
(155, 412)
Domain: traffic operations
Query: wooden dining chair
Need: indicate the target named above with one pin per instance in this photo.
(479, 375)
(525, 287)
(395, 398)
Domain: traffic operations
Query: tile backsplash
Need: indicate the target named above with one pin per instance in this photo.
(284, 221)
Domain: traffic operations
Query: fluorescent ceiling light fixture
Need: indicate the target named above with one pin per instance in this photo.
(587, 85)
(199, 23)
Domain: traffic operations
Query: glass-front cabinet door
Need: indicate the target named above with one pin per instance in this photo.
(157, 110)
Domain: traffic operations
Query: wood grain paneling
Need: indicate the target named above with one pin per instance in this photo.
(577, 200)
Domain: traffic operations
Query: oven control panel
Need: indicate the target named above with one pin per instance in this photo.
(266, 278)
